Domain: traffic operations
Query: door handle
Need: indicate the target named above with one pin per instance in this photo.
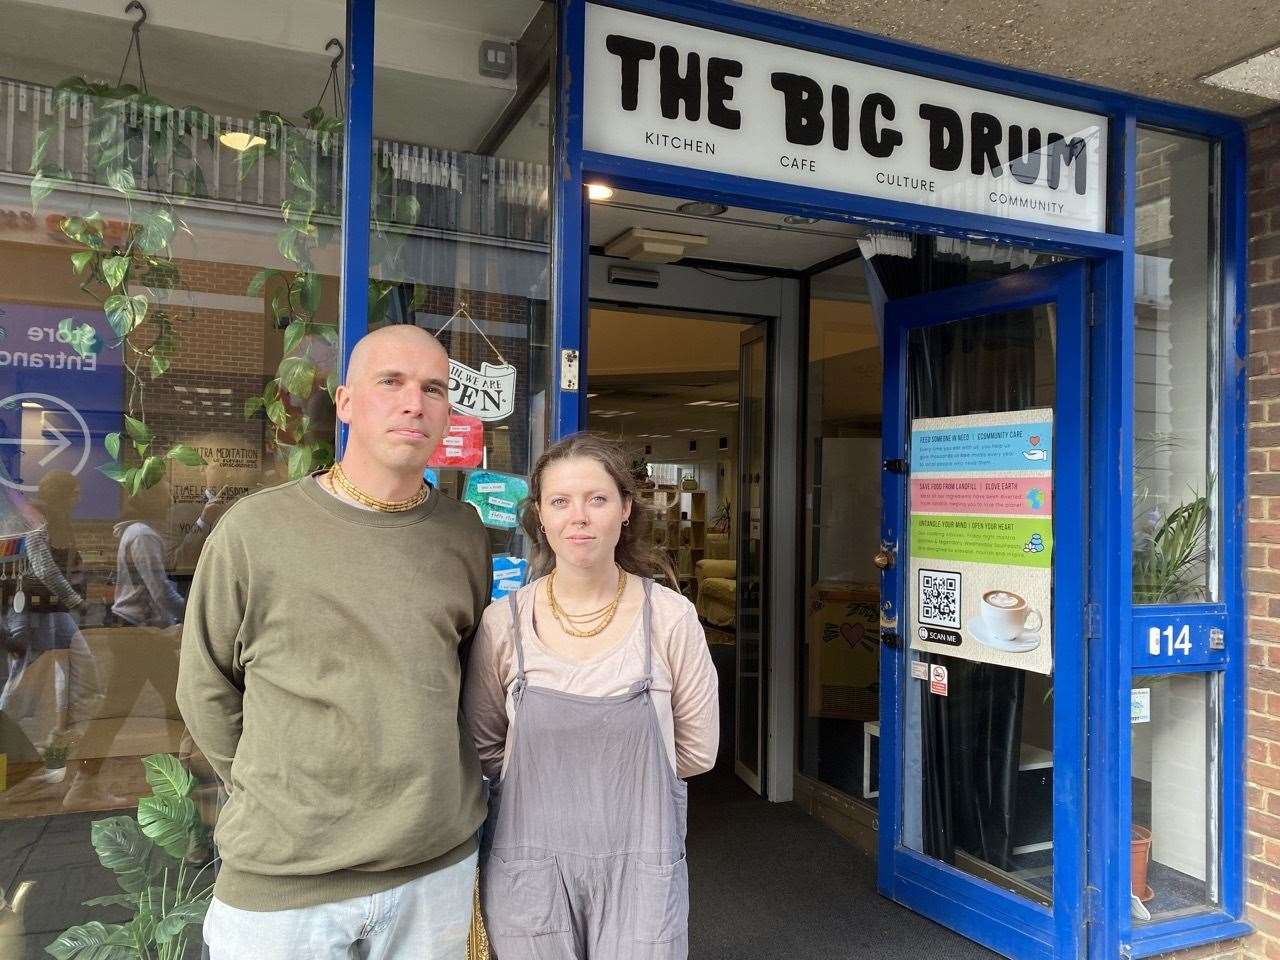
(883, 559)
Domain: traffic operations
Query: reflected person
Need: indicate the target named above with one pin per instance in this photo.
(145, 595)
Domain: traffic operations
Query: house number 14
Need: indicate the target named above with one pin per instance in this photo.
(1165, 642)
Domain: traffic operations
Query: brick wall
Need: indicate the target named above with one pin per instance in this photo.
(1264, 543)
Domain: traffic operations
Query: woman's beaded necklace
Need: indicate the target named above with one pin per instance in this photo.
(579, 624)
(342, 482)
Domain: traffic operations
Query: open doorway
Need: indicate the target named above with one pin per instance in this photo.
(744, 357)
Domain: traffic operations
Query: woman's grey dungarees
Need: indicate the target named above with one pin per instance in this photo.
(585, 837)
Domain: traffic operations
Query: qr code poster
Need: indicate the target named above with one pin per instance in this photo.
(939, 598)
(981, 538)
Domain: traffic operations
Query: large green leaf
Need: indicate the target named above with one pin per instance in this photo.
(137, 430)
(309, 291)
(43, 139)
(125, 313)
(293, 335)
(95, 941)
(298, 175)
(298, 376)
(114, 471)
(277, 413)
(166, 775)
(41, 187)
(252, 406)
(125, 851)
(81, 259)
(287, 244)
(114, 270)
(179, 918)
(156, 231)
(299, 462)
(83, 339)
(167, 822)
(188, 457)
(112, 442)
(149, 474)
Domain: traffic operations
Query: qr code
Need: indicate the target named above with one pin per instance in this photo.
(939, 598)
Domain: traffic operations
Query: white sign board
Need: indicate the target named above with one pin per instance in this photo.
(691, 97)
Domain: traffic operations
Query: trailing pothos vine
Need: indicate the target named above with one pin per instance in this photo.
(140, 150)
(310, 220)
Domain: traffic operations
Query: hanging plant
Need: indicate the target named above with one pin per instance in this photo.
(140, 150)
(310, 220)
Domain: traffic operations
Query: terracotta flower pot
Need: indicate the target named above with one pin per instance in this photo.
(1139, 859)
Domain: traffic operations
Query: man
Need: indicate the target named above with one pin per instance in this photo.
(320, 678)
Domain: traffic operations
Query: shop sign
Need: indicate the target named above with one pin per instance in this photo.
(487, 394)
(981, 538)
(462, 444)
(691, 97)
(496, 497)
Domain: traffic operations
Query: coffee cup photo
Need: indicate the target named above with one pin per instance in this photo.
(1007, 616)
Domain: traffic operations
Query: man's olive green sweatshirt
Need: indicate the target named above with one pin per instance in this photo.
(320, 677)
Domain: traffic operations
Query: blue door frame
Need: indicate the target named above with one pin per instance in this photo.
(1003, 921)
(1111, 663)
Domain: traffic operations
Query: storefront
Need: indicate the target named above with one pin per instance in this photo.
(970, 340)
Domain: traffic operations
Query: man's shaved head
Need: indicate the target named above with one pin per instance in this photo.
(395, 401)
(394, 334)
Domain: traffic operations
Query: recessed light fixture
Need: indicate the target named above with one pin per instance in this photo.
(1259, 75)
(599, 192)
(240, 141)
(701, 208)
(792, 220)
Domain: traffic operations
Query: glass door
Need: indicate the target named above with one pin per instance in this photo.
(983, 610)
(753, 403)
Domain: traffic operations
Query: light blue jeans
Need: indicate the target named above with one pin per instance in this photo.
(425, 919)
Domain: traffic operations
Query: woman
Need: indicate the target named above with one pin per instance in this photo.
(42, 612)
(590, 693)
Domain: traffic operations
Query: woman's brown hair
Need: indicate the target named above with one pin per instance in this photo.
(635, 552)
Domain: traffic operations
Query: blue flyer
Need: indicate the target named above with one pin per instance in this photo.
(508, 575)
(496, 497)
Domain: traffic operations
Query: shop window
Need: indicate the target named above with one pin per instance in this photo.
(1176, 317)
(460, 242)
(170, 245)
(1175, 783)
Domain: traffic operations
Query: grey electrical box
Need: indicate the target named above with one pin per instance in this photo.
(497, 59)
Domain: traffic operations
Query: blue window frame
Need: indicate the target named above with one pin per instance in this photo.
(1111, 663)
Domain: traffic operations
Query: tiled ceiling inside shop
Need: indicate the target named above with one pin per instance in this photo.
(1156, 48)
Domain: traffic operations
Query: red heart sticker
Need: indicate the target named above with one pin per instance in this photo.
(1035, 441)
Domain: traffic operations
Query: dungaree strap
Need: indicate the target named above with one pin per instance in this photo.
(515, 636)
(648, 631)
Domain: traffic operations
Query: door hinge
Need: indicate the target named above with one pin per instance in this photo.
(1092, 621)
(569, 370)
(897, 465)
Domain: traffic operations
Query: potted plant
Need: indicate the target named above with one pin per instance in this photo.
(155, 860)
(55, 757)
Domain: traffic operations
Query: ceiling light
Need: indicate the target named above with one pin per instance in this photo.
(702, 208)
(792, 220)
(652, 246)
(240, 141)
(1259, 75)
(599, 191)
(697, 403)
